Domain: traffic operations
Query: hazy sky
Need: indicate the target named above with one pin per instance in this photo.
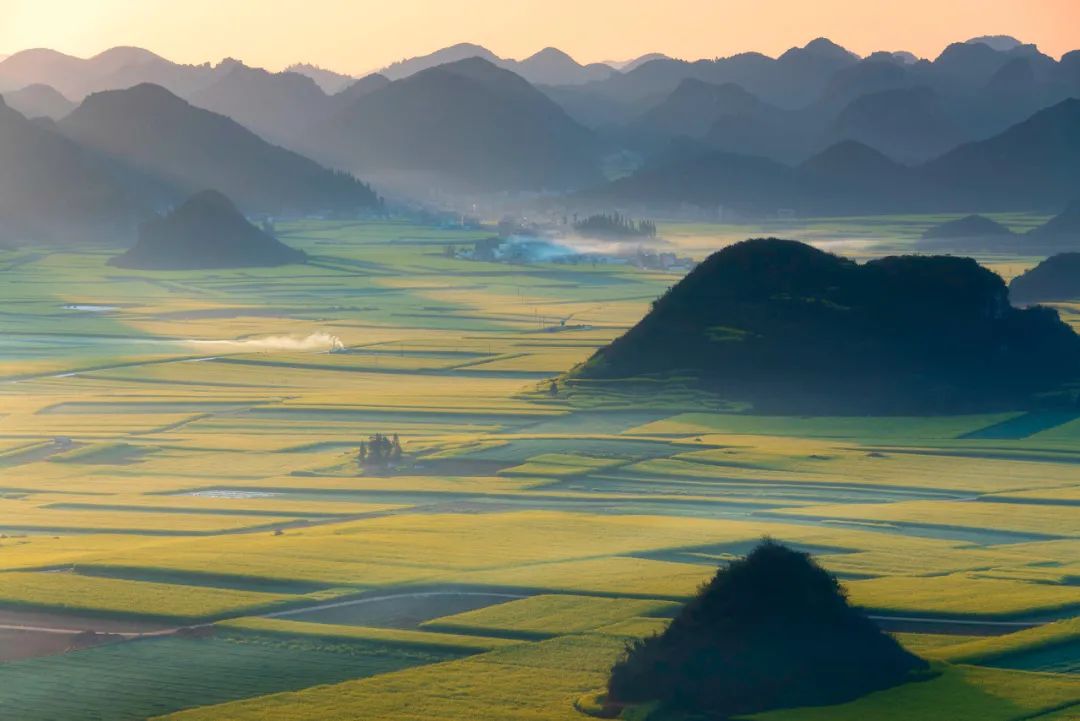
(359, 35)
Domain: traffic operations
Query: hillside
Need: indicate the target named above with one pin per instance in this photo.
(51, 189)
(851, 177)
(750, 183)
(1035, 164)
(190, 149)
(119, 67)
(772, 630)
(909, 125)
(280, 107)
(695, 106)
(207, 231)
(972, 232)
(469, 124)
(329, 81)
(1055, 279)
(1062, 232)
(907, 334)
(549, 66)
(39, 101)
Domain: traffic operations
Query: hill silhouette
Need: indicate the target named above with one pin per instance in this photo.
(1055, 279)
(552, 66)
(772, 630)
(469, 123)
(972, 232)
(906, 334)
(52, 189)
(694, 106)
(39, 101)
(189, 149)
(549, 66)
(207, 231)
(909, 125)
(1034, 164)
(1060, 232)
(119, 67)
(280, 107)
(330, 81)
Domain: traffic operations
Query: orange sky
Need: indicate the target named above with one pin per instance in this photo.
(360, 35)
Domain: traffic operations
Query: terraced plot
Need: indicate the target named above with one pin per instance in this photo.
(188, 455)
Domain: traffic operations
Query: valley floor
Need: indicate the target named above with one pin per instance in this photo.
(186, 532)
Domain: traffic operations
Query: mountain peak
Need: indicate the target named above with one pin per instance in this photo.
(1001, 43)
(827, 48)
(551, 53)
(125, 54)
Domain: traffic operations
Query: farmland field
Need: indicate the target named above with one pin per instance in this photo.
(182, 461)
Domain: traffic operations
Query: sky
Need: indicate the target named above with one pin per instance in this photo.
(357, 36)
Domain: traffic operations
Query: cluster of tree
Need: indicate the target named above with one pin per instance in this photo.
(772, 630)
(615, 225)
(380, 450)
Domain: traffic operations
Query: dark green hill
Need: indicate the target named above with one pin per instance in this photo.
(1056, 278)
(787, 327)
(205, 232)
(189, 149)
(772, 630)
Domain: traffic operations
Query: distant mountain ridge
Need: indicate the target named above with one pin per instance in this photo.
(1034, 165)
(189, 148)
(469, 123)
(549, 66)
(52, 189)
(39, 101)
(331, 82)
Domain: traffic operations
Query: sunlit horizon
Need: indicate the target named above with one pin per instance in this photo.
(356, 38)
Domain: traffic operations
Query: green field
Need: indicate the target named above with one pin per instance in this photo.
(186, 456)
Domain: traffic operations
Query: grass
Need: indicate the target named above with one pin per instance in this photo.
(547, 616)
(962, 595)
(139, 679)
(994, 648)
(85, 594)
(135, 450)
(1052, 520)
(958, 694)
(539, 682)
(430, 640)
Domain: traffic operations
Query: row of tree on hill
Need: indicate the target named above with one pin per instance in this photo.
(615, 225)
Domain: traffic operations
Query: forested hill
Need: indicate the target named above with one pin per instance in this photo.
(785, 326)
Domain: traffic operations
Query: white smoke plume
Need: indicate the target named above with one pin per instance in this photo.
(321, 341)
